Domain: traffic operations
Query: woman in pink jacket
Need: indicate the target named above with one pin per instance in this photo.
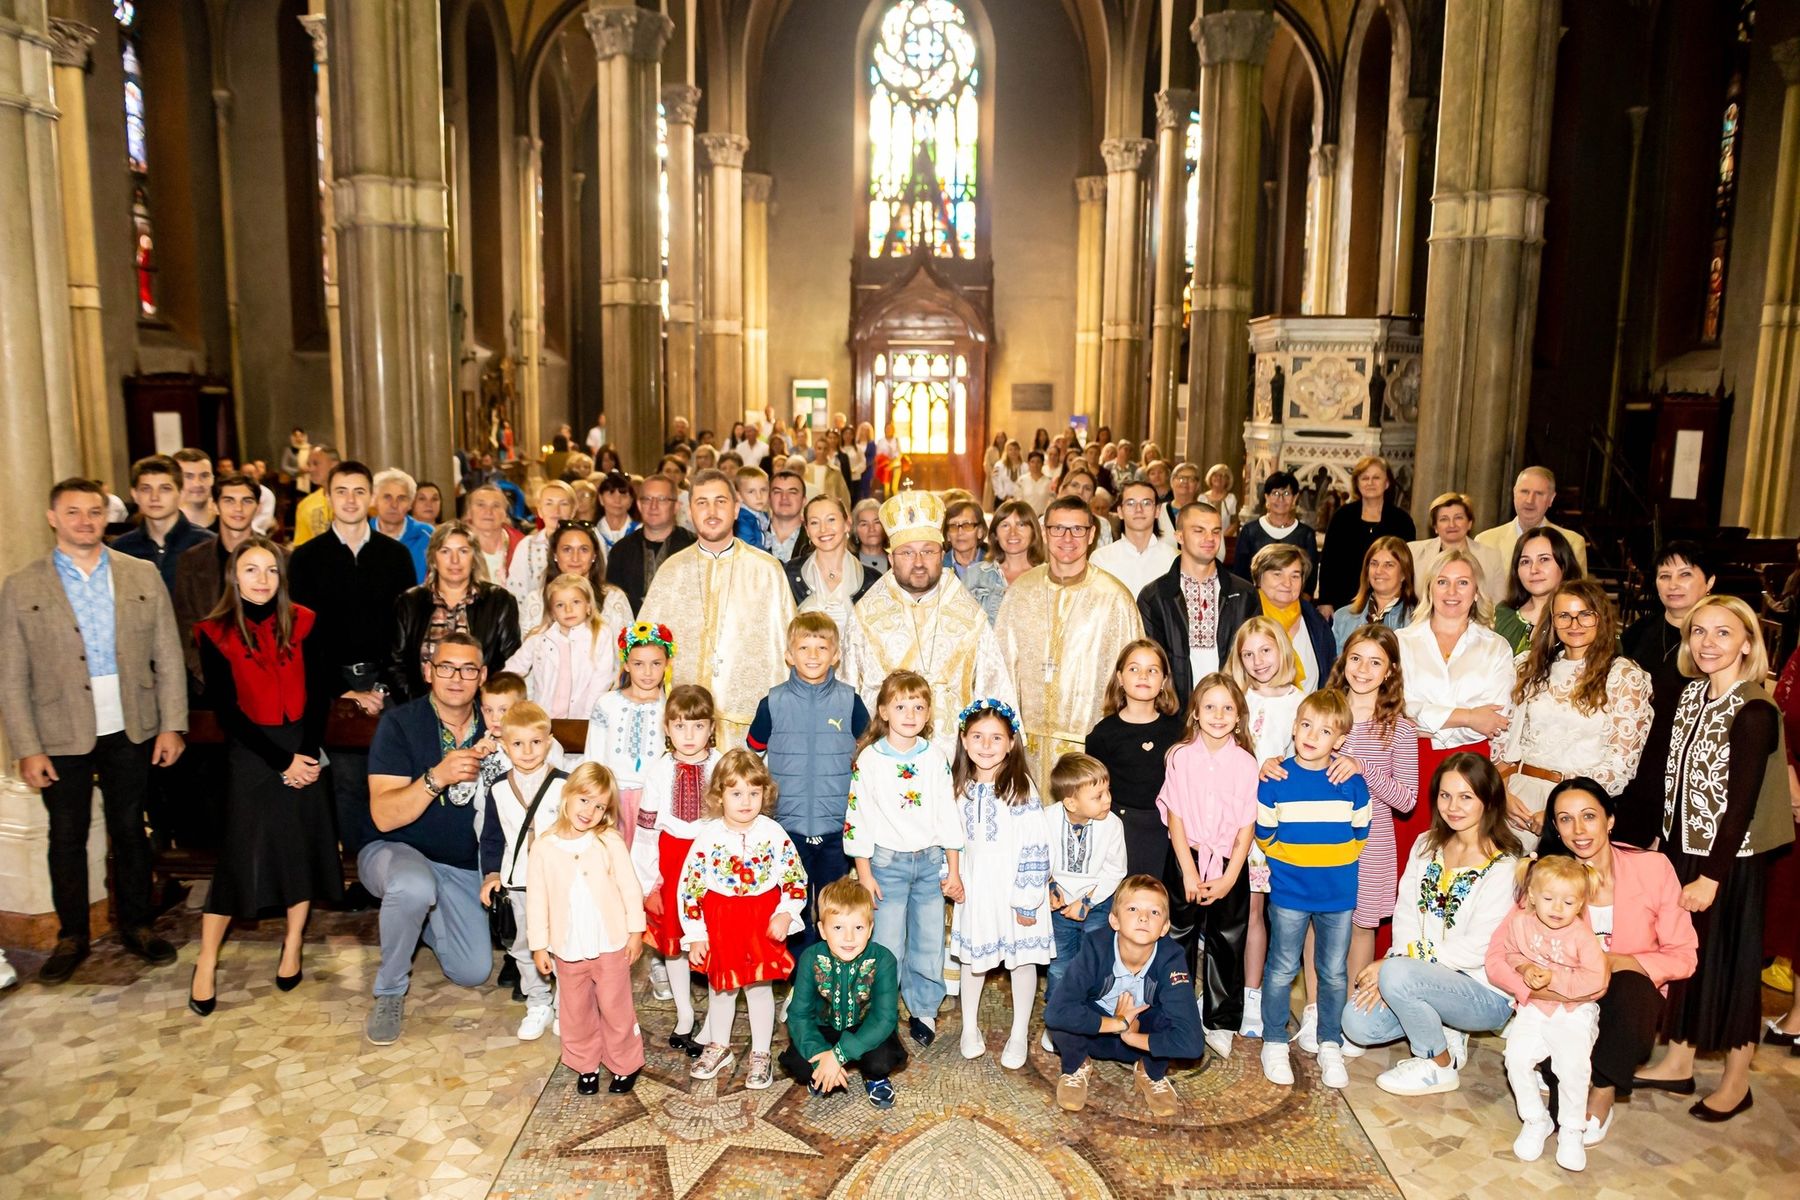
(1635, 908)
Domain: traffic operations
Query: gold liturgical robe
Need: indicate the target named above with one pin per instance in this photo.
(1060, 641)
(729, 614)
(943, 635)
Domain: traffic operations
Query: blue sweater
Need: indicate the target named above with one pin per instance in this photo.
(1172, 1022)
(1313, 831)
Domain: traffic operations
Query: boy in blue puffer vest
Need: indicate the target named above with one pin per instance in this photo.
(806, 730)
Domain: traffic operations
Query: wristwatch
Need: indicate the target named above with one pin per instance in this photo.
(431, 787)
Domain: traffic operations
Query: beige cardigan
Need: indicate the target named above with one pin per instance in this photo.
(551, 875)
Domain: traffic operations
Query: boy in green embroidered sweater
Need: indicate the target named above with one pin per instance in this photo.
(845, 1010)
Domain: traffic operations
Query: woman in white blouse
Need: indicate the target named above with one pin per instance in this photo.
(1003, 476)
(525, 573)
(1579, 708)
(1459, 677)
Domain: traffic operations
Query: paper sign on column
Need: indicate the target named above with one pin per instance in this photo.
(1684, 475)
(165, 431)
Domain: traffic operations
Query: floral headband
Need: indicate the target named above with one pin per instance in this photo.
(645, 633)
(999, 708)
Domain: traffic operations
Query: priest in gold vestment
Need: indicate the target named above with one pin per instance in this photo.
(919, 617)
(1061, 628)
(728, 605)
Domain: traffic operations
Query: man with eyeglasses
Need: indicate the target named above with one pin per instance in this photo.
(634, 561)
(1280, 492)
(1139, 557)
(1061, 627)
(420, 858)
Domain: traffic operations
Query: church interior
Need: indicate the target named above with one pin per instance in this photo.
(1465, 235)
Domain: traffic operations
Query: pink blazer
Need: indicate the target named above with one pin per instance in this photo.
(611, 887)
(1648, 920)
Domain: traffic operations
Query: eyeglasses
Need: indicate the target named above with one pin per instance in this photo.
(587, 525)
(469, 671)
(962, 526)
(1587, 618)
(1067, 531)
(1279, 494)
(647, 501)
(1140, 502)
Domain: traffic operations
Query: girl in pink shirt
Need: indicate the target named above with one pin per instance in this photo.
(1208, 800)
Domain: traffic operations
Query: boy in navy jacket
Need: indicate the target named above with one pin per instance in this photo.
(1127, 997)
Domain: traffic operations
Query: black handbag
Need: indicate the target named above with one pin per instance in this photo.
(503, 923)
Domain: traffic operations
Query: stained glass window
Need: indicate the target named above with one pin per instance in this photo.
(924, 391)
(137, 158)
(1191, 208)
(924, 126)
(1724, 203)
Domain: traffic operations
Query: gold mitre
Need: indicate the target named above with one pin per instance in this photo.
(913, 517)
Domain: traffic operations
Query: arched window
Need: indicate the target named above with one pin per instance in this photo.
(1190, 155)
(1724, 206)
(924, 130)
(662, 203)
(137, 159)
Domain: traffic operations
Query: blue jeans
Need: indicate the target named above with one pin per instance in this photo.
(909, 921)
(1287, 941)
(1418, 999)
(1069, 935)
(420, 897)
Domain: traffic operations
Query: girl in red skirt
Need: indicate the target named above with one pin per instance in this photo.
(673, 796)
(742, 892)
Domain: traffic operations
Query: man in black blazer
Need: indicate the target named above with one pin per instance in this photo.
(1195, 609)
(634, 559)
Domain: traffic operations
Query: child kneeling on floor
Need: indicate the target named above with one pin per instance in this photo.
(584, 913)
(845, 1010)
(1127, 997)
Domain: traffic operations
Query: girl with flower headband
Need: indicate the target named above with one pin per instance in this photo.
(1003, 918)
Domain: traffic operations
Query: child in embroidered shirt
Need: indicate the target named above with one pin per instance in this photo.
(846, 1006)
(563, 660)
(902, 834)
(499, 692)
(1087, 859)
(1004, 918)
(1263, 664)
(625, 728)
(585, 916)
(1548, 946)
(742, 893)
(674, 795)
(753, 519)
(1209, 800)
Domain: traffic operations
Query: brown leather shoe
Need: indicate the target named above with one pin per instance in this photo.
(146, 945)
(63, 960)
(1159, 1094)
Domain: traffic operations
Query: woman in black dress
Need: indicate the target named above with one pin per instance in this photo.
(1721, 819)
(1372, 513)
(279, 851)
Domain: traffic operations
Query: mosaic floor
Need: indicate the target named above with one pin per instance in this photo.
(110, 1088)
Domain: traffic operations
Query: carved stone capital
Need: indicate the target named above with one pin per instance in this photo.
(724, 149)
(1174, 106)
(1227, 37)
(314, 24)
(1787, 58)
(70, 42)
(1126, 154)
(1415, 111)
(1091, 189)
(635, 32)
(758, 187)
(681, 102)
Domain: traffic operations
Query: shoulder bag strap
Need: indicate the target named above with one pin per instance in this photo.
(530, 814)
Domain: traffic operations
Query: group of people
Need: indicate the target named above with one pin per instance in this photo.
(1430, 780)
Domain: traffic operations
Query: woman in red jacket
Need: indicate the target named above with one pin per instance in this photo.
(279, 850)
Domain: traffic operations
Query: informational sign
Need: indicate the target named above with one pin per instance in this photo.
(812, 400)
(1684, 471)
(165, 431)
(1033, 397)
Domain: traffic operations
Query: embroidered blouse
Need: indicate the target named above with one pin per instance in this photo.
(738, 866)
(900, 802)
(1449, 916)
(1718, 753)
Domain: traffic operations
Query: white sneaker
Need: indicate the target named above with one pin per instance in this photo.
(659, 980)
(1276, 1067)
(1352, 1050)
(1044, 1041)
(1458, 1041)
(1251, 1025)
(1012, 1056)
(9, 974)
(1529, 1145)
(536, 1021)
(781, 1013)
(1417, 1077)
(1331, 1066)
(1571, 1154)
(1219, 1042)
(1308, 1037)
(973, 1044)
(556, 1026)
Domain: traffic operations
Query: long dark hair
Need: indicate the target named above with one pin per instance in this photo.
(1390, 697)
(1590, 694)
(1364, 602)
(596, 573)
(1485, 782)
(1012, 781)
(1034, 553)
(230, 608)
(1516, 595)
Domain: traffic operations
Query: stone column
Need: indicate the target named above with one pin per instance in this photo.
(528, 152)
(722, 325)
(757, 190)
(1321, 192)
(1233, 46)
(94, 418)
(1173, 108)
(314, 24)
(629, 44)
(1766, 499)
(680, 102)
(1122, 319)
(391, 216)
(1090, 288)
(1487, 236)
(1413, 112)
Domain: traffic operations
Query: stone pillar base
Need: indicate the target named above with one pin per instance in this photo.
(27, 915)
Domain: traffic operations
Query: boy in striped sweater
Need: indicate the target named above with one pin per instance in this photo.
(1312, 831)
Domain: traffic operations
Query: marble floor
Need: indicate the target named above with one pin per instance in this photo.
(109, 1087)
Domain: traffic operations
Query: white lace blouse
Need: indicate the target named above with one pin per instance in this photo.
(1548, 730)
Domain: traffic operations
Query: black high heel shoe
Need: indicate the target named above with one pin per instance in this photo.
(288, 983)
(203, 1008)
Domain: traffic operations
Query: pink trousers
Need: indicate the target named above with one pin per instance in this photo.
(599, 1022)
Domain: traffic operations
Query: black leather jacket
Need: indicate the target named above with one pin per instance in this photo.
(1164, 611)
(493, 621)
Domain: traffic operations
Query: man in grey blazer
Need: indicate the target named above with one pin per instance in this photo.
(92, 687)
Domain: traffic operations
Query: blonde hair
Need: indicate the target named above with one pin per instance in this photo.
(812, 624)
(738, 766)
(1075, 771)
(504, 683)
(1270, 628)
(1328, 704)
(1445, 501)
(1190, 727)
(526, 715)
(1554, 868)
(574, 583)
(1756, 663)
(1483, 611)
(586, 780)
(846, 895)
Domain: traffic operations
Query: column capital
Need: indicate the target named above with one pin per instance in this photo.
(1173, 107)
(70, 42)
(222, 98)
(758, 187)
(681, 102)
(1126, 154)
(724, 149)
(636, 32)
(1414, 112)
(1090, 189)
(314, 24)
(1233, 36)
(1786, 55)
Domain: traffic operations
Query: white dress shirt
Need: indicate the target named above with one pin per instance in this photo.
(1133, 567)
(1479, 671)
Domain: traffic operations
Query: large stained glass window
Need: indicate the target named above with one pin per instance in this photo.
(1191, 209)
(924, 391)
(1718, 253)
(924, 130)
(137, 159)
